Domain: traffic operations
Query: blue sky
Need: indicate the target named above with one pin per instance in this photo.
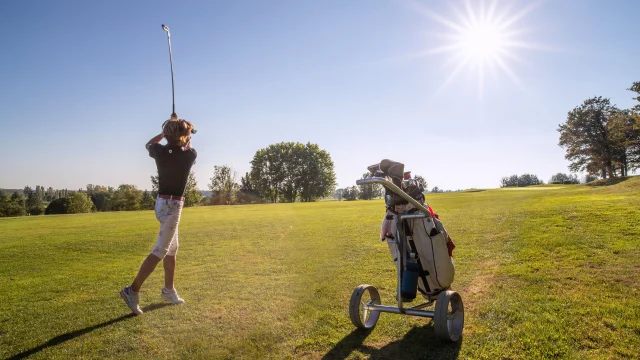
(86, 84)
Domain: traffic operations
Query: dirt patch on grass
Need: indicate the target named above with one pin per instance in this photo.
(479, 284)
(482, 278)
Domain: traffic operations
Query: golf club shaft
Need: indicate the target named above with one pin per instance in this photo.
(173, 94)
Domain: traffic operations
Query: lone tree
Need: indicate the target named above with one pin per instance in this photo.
(587, 139)
(288, 171)
(601, 138)
(223, 185)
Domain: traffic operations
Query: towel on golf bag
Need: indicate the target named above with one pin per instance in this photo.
(433, 251)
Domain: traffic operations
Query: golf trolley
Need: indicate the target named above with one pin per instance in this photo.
(413, 269)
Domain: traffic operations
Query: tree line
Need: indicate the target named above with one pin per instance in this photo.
(283, 172)
(530, 179)
(520, 180)
(30, 201)
(95, 198)
(602, 139)
(368, 191)
(437, 190)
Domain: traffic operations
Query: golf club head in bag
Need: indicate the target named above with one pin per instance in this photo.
(394, 170)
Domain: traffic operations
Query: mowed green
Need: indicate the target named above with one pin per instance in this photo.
(548, 273)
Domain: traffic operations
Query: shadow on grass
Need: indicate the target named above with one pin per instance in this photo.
(418, 343)
(608, 182)
(74, 334)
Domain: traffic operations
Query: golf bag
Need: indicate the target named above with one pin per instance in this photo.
(427, 238)
(427, 241)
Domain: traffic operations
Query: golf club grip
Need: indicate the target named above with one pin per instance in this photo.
(193, 131)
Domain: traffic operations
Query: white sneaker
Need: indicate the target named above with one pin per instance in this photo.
(171, 296)
(131, 298)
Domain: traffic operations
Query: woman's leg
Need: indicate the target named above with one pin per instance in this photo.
(169, 271)
(147, 267)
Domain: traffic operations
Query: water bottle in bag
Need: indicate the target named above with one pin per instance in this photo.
(409, 286)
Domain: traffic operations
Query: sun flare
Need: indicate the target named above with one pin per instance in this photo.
(481, 37)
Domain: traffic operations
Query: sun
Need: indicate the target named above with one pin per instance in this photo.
(482, 42)
(481, 37)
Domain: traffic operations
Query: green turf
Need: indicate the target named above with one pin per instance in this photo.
(547, 273)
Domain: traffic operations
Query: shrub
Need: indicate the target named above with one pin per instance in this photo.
(58, 206)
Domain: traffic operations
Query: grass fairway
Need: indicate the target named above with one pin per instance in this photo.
(548, 273)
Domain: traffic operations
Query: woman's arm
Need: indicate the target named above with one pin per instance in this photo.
(156, 139)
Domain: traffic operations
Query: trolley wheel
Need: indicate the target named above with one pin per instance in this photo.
(449, 316)
(361, 317)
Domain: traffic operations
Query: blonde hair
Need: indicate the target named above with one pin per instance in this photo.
(177, 132)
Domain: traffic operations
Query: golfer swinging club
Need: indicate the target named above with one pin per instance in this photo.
(174, 161)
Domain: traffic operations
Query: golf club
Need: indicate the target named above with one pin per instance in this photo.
(173, 93)
(173, 96)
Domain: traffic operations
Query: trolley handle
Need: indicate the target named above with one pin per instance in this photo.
(391, 186)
